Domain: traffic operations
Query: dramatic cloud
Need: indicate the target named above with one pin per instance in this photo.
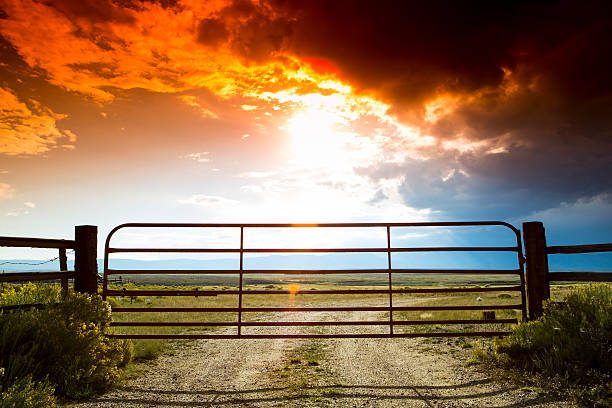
(164, 49)
(29, 128)
(517, 96)
(505, 106)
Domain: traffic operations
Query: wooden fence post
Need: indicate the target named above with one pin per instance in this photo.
(63, 261)
(86, 259)
(538, 289)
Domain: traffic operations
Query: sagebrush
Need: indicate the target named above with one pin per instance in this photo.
(571, 343)
(62, 345)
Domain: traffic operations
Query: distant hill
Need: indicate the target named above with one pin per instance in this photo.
(586, 262)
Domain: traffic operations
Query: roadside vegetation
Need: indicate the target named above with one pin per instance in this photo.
(58, 351)
(61, 352)
(568, 349)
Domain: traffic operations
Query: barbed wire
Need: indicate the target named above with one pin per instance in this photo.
(35, 264)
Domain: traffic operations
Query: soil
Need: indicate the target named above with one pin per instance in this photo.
(319, 373)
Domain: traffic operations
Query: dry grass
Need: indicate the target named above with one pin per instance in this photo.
(150, 348)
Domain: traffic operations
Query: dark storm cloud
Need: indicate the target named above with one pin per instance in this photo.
(253, 31)
(212, 32)
(412, 50)
(532, 78)
(93, 11)
(528, 82)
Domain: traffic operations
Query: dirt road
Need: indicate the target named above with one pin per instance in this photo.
(318, 373)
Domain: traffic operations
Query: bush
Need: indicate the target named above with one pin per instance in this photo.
(571, 342)
(63, 343)
(27, 394)
(29, 294)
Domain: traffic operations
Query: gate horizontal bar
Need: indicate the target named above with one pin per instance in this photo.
(326, 225)
(305, 271)
(310, 309)
(310, 336)
(313, 323)
(317, 250)
(144, 292)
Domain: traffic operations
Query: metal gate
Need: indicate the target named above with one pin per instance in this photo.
(240, 323)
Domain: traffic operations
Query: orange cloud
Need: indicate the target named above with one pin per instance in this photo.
(152, 47)
(192, 101)
(29, 129)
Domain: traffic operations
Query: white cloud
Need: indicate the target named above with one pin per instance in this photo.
(6, 191)
(259, 174)
(200, 157)
(208, 200)
(29, 204)
(586, 211)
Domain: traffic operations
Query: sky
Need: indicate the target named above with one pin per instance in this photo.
(312, 111)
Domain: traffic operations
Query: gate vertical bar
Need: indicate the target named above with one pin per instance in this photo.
(521, 261)
(240, 281)
(390, 284)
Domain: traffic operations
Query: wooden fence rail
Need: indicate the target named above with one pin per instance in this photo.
(85, 272)
(538, 276)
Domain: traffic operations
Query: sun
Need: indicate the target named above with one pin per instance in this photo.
(315, 137)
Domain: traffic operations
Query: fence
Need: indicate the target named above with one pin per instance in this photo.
(538, 275)
(85, 272)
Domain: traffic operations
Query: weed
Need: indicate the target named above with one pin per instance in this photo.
(147, 349)
(312, 362)
(473, 361)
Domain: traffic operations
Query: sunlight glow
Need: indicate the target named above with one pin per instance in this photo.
(315, 138)
(293, 290)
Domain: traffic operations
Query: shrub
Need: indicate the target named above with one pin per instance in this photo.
(28, 294)
(65, 344)
(27, 394)
(570, 342)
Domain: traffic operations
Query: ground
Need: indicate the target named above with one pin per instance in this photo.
(319, 373)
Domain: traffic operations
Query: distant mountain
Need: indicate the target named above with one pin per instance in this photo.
(586, 262)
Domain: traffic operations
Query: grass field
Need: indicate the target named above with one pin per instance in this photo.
(149, 348)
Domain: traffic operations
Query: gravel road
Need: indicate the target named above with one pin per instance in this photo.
(317, 373)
